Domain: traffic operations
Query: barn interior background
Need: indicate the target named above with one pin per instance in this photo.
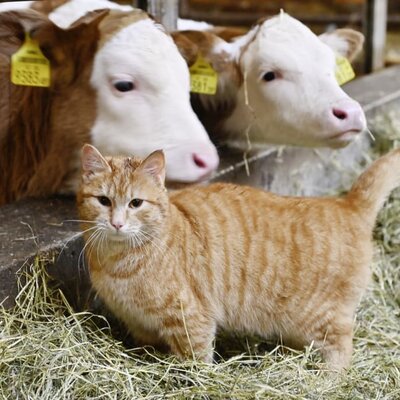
(378, 19)
(52, 347)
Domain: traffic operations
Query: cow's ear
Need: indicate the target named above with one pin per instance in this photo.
(70, 49)
(82, 34)
(229, 34)
(14, 25)
(191, 44)
(46, 7)
(188, 49)
(346, 42)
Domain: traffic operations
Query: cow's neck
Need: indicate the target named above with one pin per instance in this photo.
(76, 103)
(241, 122)
(40, 142)
(24, 120)
(225, 114)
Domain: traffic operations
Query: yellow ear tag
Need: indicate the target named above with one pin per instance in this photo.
(344, 70)
(29, 67)
(203, 77)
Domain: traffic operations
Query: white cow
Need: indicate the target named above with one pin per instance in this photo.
(277, 84)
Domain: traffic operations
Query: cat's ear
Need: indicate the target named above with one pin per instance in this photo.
(154, 165)
(92, 160)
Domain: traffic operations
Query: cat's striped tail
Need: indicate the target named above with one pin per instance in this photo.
(372, 188)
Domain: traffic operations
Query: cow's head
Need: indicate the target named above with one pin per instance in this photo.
(289, 75)
(142, 84)
(277, 82)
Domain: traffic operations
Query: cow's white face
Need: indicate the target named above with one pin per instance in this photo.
(291, 87)
(143, 101)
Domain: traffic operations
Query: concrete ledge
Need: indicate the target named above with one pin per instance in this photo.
(33, 227)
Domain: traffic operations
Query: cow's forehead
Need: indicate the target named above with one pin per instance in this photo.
(117, 21)
(143, 38)
(144, 49)
(284, 24)
(283, 35)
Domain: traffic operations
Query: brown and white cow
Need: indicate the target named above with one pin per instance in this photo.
(117, 81)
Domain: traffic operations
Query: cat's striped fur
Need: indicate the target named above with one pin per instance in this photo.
(229, 256)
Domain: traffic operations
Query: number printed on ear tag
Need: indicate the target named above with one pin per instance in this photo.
(29, 67)
(203, 77)
(344, 70)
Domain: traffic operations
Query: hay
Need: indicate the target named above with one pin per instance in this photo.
(48, 351)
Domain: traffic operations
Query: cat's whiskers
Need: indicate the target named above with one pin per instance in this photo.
(99, 245)
(128, 240)
(88, 244)
(76, 235)
(81, 221)
(152, 240)
(134, 241)
(93, 243)
(150, 237)
(139, 242)
(159, 232)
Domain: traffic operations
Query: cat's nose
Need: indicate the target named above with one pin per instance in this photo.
(117, 225)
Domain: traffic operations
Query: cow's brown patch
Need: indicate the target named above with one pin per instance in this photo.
(211, 110)
(228, 33)
(38, 130)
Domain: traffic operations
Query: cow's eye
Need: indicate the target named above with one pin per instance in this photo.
(124, 86)
(269, 76)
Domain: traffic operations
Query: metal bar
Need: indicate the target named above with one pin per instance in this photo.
(165, 11)
(141, 4)
(375, 25)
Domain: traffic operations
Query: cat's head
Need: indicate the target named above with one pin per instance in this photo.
(122, 199)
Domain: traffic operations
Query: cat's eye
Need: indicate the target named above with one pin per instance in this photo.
(269, 76)
(124, 86)
(104, 201)
(136, 203)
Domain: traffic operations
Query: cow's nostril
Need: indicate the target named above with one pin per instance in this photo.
(199, 161)
(339, 114)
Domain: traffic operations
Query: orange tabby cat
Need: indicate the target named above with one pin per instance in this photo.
(175, 267)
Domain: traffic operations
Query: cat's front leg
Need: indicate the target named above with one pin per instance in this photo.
(145, 337)
(337, 346)
(192, 338)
